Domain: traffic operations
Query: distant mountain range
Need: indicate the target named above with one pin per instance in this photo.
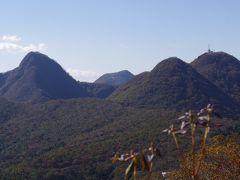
(72, 133)
(115, 79)
(212, 77)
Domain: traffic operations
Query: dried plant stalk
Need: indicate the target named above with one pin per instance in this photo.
(175, 139)
(193, 126)
(193, 150)
(202, 154)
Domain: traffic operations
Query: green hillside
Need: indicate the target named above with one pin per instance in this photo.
(74, 139)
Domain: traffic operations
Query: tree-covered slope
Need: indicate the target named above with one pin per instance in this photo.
(173, 84)
(115, 79)
(39, 78)
(74, 139)
(221, 69)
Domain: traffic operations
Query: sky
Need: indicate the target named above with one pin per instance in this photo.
(91, 37)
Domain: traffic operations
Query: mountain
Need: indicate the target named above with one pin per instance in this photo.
(39, 78)
(8, 110)
(98, 90)
(115, 79)
(221, 69)
(75, 138)
(173, 84)
(1, 79)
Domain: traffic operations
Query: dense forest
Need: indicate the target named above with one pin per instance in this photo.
(75, 139)
(72, 135)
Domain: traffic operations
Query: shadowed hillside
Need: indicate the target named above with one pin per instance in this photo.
(98, 90)
(173, 84)
(39, 78)
(221, 69)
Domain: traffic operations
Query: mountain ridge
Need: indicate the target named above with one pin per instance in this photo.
(39, 78)
(172, 84)
(115, 79)
(75, 138)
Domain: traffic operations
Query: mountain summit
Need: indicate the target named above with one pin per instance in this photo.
(172, 84)
(221, 69)
(115, 79)
(39, 78)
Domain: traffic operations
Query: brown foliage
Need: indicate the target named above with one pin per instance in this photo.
(222, 160)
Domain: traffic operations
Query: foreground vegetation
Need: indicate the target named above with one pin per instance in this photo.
(222, 160)
(218, 160)
(75, 139)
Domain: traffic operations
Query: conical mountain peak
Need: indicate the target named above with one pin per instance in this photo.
(217, 58)
(38, 60)
(172, 61)
(221, 69)
(39, 78)
(171, 67)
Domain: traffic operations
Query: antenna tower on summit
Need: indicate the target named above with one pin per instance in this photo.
(209, 50)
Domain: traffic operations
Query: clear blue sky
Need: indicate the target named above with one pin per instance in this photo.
(91, 37)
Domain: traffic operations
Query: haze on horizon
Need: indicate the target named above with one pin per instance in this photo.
(89, 38)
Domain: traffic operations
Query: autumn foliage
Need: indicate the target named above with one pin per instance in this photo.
(222, 160)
